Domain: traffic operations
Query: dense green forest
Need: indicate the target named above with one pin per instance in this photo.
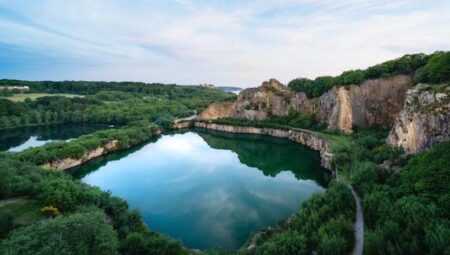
(434, 68)
(114, 105)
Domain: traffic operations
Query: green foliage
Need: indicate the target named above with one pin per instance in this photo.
(407, 213)
(285, 243)
(80, 233)
(324, 224)
(6, 223)
(119, 105)
(407, 64)
(437, 70)
(71, 197)
(428, 174)
(150, 243)
(134, 133)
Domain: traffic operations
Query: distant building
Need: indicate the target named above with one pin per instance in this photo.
(21, 88)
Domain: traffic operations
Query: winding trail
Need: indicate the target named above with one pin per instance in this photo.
(10, 201)
(359, 224)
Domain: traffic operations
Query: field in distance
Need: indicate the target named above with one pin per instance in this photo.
(33, 96)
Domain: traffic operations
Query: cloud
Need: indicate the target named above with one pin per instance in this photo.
(220, 42)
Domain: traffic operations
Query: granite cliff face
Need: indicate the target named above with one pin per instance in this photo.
(375, 102)
(423, 121)
(271, 98)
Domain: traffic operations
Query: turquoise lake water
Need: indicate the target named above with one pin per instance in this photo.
(210, 189)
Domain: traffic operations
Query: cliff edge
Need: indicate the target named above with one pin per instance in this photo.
(423, 121)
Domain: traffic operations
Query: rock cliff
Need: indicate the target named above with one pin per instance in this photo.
(271, 98)
(67, 163)
(423, 121)
(304, 137)
(375, 102)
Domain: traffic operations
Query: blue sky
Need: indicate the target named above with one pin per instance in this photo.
(224, 42)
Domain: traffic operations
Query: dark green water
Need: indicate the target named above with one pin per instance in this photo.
(19, 139)
(210, 189)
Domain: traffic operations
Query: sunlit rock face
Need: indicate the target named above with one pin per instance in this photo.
(375, 102)
(270, 99)
(423, 121)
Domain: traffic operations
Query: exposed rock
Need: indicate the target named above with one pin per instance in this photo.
(181, 125)
(217, 110)
(304, 137)
(67, 163)
(271, 98)
(375, 102)
(423, 121)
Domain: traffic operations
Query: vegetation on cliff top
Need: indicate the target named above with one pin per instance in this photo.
(434, 68)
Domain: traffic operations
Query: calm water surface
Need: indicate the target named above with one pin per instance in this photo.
(19, 139)
(210, 189)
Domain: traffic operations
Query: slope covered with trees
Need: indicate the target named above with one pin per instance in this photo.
(434, 68)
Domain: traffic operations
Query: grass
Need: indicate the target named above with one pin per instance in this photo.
(22, 96)
(337, 140)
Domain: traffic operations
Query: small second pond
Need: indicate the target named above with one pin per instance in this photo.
(19, 139)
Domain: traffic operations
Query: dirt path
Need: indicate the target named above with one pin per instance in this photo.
(10, 201)
(359, 224)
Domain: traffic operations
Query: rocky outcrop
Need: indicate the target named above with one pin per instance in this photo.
(375, 102)
(67, 163)
(271, 98)
(304, 137)
(423, 121)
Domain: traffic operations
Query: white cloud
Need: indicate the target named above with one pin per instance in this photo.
(232, 42)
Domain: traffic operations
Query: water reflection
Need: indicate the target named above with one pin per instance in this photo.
(208, 189)
(19, 139)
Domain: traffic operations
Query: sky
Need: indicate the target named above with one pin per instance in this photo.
(222, 42)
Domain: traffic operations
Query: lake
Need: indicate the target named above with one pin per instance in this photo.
(210, 189)
(19, 139)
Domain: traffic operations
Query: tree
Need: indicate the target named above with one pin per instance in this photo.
(80, 233)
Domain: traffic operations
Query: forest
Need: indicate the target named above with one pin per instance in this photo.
(113, 105)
